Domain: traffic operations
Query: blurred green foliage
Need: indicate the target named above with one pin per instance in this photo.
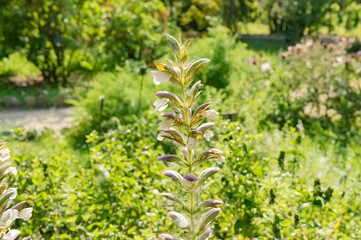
(113, 98)
(64, 37)
(269, 184)
(292, 169)
(82, 37)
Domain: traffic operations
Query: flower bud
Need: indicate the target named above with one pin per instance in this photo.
(206, 174)
(175, 176)
(205, 235)
(174, 99)
(201, 108)
(173, 159)
(194, 89)
(174, 199)
(174, 44)
(193, 68)
(172, 134)
(19, 205)
(179, 219)
(205, 126)
(209, 203)
(207, 218)
(170, 115)
(189, 181)
(208, 154)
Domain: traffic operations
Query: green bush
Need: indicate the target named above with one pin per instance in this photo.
(64, 37)
(110, 192)
(317, 85)
(218, 72)
(217, 47)
(106, 193)
(121, 102)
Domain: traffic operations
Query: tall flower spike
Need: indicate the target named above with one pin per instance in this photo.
(9, 214)
(185, 127)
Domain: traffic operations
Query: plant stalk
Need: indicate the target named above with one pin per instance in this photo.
(190, 169)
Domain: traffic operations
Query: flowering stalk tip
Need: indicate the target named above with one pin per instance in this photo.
(186, 126)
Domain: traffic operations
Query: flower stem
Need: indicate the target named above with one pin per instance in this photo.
(190, 170)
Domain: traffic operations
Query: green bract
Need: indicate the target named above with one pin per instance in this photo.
(187, 118)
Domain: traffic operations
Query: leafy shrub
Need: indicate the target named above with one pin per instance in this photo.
(113, 191)
(119, 92)
(318, 82)
(269, 191)
(218, 47)
(218, 72)
(64, 37)
(300, 17)
(16, 64)
(106, 193)
(133, 31)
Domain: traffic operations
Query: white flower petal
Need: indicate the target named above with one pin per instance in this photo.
(266, 66)
(8, 217)
(208, 134)
(160, 104)
(104, 170)
(11, 170)
(166, 124)
(25, 214)
(160, 77)
(4, 154)
(220, 158)
(13, 216)
(210, 114)
(192, 143)
(160, 137)
(11, 234)
(339, 60)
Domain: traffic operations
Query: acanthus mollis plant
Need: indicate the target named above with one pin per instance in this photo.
(186, 125)
(9, 214)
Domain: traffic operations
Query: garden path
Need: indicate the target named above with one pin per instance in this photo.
(55, 119)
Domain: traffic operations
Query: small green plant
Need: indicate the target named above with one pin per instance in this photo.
(7, 195)
(194, 216)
